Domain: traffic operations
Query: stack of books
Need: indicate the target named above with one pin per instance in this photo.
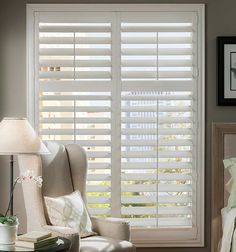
(36, 239)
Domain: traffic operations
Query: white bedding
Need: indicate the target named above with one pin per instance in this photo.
(229, 234)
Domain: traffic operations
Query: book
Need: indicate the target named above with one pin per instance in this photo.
(34, 236)
(34, 245)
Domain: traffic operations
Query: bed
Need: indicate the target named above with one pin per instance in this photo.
(223, 147)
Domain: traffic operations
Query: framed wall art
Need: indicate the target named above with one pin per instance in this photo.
(226, 71)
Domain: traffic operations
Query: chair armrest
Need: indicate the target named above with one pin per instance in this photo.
(115, 228)
(68, 233)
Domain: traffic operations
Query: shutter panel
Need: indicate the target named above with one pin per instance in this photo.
(75, 97)
(158, 133)
(152, 51)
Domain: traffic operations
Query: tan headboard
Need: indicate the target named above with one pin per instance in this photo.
(223, 146)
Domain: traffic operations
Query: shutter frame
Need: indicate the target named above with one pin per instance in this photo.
(197, 9)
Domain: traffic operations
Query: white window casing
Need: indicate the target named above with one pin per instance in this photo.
(126, 82)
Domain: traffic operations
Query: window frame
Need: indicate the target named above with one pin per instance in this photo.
(166, 237)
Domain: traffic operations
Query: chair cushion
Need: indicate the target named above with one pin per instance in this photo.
(105, 244)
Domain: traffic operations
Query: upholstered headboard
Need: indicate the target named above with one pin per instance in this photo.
(223, 146)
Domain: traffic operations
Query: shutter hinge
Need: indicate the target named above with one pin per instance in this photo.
(197, 19)
(196, 74)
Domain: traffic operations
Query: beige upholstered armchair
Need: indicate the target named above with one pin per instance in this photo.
(64, 171)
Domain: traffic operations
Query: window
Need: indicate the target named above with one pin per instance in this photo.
(127, 83)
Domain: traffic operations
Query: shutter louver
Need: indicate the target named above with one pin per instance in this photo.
(75, 97)
(157, 159)
(157, 51)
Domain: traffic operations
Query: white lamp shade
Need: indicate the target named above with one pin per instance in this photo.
(18, 137)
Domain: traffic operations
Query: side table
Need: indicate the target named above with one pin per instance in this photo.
(62, 245)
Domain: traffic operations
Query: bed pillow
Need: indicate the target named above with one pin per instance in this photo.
(69, 211)
(230, 165)
(228, 185)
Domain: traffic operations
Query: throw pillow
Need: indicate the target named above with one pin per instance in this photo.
(69, 211)
(230, 165)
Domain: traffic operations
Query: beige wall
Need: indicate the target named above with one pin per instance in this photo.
(220, 20)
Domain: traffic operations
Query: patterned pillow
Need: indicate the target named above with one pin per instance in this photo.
(70, 211)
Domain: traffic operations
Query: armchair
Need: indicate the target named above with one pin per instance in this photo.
(64, 171)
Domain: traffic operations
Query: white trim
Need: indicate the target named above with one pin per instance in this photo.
(115, 7)
(36, 71)
(201, 111)
(30, 65)
(195, 237)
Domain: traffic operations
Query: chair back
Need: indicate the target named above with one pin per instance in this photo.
(64, 170)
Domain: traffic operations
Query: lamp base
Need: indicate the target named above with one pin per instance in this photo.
(11, 183)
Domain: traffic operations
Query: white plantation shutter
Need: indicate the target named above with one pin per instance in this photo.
(158, 123)
(126, 86)
(75, 97)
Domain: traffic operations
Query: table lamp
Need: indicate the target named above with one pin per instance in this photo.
(18, 137)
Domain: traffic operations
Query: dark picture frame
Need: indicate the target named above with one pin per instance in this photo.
(226, 47)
